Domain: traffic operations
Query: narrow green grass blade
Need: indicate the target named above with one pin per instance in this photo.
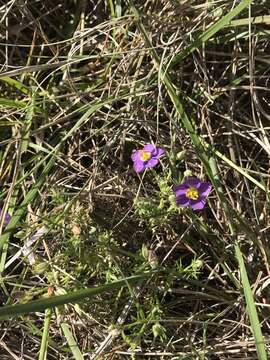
(30, 328)
(27, 125)
(4, 249)
(111, 5)
(238, 169)
(13, 103)
(16, 84)
(72, 297)
(220, 24)
(251, 308)
(45, 336)
(30, 196)
(76, 352)
(265, 19)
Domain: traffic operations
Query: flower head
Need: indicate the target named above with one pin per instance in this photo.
(192, 193)
(7, 217)
(147, 157)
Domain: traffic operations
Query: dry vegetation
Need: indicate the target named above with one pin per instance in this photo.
(83, 83)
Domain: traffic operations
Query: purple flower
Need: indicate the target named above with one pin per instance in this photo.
(148, 157)
(7, 217)
(192, 193)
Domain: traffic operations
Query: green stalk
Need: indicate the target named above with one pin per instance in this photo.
(251, 307)
(76, 352)
(45, 336)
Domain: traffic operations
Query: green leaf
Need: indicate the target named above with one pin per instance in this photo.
(72, 297)
(71, 342)
(16, 84)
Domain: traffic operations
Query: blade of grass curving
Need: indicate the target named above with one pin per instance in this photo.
(236, 167)
(220, 24)
(86, 116)
(45, 336)
(16, 84)
(251, 308)
(30, 196)
(72, 297)
(76, 352)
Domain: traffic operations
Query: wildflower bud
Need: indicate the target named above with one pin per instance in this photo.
(7, 217)
(187, 173)
(144, 251)
(40, 267)
(50, 291)
(152, 258)
(76, 230)
(181, 155)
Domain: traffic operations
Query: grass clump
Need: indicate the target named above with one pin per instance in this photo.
(97, 260)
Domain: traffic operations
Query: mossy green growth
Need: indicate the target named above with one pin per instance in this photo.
(159, 209)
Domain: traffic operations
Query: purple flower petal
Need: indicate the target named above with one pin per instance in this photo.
(197, 204)
(205, 189)
(149, 147)
(180, 189)
(135, 155)
(151, 163)
(182, 201)
(158, 152)
(192, 181)
(139, 165)
(7, 217)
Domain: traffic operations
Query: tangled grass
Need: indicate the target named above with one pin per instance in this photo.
(97, 261)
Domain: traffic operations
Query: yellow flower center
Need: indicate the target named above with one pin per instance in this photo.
(192, 193)
(145, 155)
